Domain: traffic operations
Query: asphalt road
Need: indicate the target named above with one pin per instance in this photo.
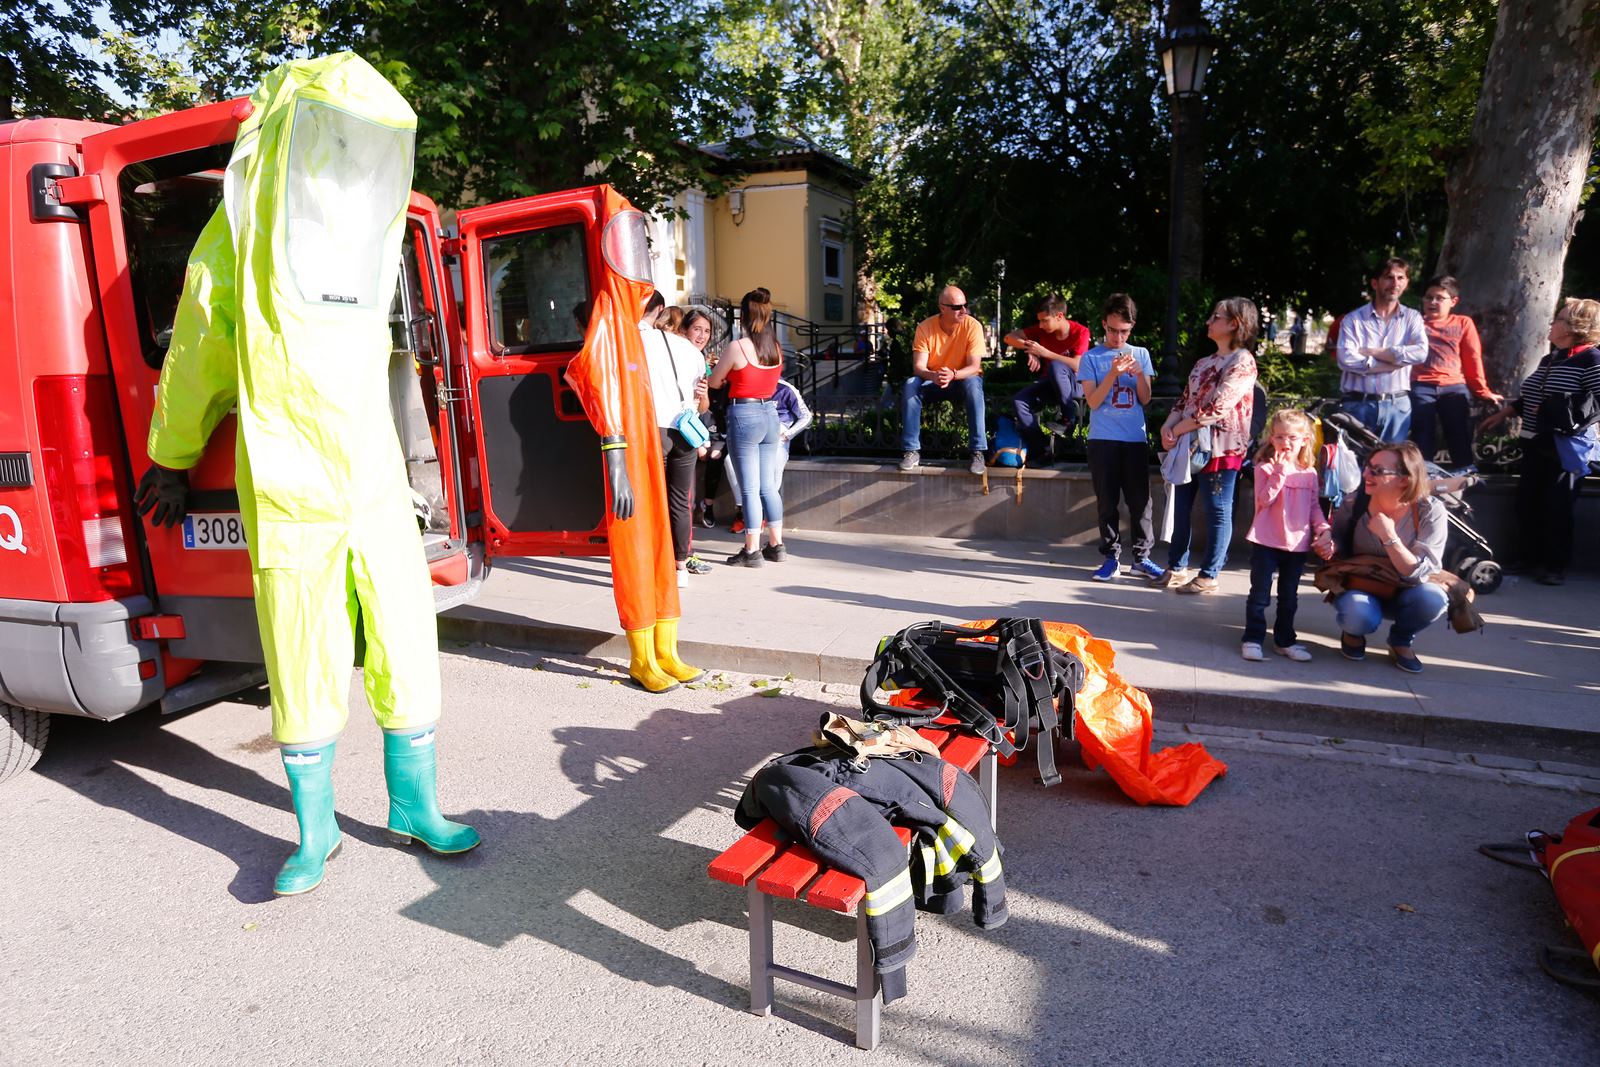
(1263, 924)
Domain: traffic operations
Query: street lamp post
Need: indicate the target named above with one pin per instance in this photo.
(999, 303)
(1186, 54)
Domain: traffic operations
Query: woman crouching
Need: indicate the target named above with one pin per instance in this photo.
(1393, 525)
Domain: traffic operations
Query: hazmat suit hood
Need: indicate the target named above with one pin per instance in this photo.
(611, 340)
(285, 308)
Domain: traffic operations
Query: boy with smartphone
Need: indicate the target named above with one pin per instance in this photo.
(1116, 386)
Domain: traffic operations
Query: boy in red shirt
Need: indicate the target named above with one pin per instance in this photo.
(1054, 348)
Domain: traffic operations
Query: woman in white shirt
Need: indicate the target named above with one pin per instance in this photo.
(677, 385)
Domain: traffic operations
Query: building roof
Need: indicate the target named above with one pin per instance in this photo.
(768, 152)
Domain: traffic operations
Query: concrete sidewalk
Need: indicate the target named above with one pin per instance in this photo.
(1525, 687)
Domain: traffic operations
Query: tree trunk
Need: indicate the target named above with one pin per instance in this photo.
(1514, 198)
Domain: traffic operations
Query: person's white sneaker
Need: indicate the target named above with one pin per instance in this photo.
(1251, 651)
(683, 578)
(1298, 653)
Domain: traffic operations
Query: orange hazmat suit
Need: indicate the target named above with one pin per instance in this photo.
(612, 381)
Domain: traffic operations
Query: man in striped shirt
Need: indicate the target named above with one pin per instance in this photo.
(1379, 343)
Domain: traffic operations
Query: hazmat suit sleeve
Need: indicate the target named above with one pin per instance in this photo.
(200, 378)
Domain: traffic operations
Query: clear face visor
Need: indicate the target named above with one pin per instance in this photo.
(625, 244)
(346, 182)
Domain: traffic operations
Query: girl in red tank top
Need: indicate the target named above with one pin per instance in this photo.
(750, 368)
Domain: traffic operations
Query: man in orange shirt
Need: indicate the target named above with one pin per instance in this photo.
(946, 364)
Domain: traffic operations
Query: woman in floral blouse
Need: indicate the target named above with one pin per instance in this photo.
(1219, 394)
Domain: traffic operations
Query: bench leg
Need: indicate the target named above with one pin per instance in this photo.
(989, 785)
(869, 1002)
(760, 951)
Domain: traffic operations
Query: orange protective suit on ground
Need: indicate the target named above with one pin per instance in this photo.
(612, 381)
(1114, 727)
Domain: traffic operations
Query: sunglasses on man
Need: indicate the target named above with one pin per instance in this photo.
(954, 307)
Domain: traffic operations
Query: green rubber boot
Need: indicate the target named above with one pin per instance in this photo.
(409, 766)
(310, 771)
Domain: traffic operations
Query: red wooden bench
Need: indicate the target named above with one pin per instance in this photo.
(769, 865)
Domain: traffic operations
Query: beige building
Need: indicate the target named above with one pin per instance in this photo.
(785, 225)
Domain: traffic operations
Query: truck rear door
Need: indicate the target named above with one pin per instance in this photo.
(530, 268)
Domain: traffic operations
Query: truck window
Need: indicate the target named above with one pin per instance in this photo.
(536, 282)
(166, 202)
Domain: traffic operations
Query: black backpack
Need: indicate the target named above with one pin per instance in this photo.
(1018, 683)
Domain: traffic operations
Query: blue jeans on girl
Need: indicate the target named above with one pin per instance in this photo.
(753, 433)
(1288, 566)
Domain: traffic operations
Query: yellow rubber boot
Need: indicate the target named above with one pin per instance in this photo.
(667, 652)
(642, 666)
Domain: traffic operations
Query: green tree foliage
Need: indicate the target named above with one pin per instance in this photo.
(1330, 131)
(513, 98)
(180, 53)
(519, 98)
(835, 71)
(44, 67)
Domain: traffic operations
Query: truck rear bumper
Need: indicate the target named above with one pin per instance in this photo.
(76, 659)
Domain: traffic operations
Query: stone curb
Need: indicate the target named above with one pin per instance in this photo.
(1525, 747)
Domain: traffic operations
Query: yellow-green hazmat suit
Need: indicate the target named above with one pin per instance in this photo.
(284, 313)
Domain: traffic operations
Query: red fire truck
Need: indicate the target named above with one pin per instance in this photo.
(102, 614)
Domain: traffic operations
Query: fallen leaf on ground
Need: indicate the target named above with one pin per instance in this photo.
(1407, 908)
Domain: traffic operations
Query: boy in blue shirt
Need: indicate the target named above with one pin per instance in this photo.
(1116, 387)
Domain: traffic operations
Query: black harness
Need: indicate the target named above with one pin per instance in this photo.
(1015, 685)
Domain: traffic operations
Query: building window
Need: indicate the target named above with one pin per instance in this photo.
(832, 262)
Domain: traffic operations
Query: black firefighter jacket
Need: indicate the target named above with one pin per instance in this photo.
(844, 810)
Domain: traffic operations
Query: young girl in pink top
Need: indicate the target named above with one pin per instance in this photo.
(1289, 523)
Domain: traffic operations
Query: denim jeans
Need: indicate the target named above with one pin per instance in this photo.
(1414, 608)
(968, 392)
(1451, 405)
(1055, 388)
(753, 444)
(731, 473)
(1288, 566)
(1215, 491)
(1389, 419)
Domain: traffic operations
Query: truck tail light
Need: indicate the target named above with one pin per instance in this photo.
(80, 443)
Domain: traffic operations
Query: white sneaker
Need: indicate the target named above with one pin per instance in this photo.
(683, 578)
(1298, 653)
(1251, 651)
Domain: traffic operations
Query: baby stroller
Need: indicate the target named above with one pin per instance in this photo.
(1467, 553)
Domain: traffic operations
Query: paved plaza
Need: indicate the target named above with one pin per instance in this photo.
(1315, 906)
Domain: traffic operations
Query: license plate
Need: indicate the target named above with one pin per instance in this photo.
(216, 530)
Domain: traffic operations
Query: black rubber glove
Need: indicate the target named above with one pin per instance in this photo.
(163, 495)
(617, 483)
